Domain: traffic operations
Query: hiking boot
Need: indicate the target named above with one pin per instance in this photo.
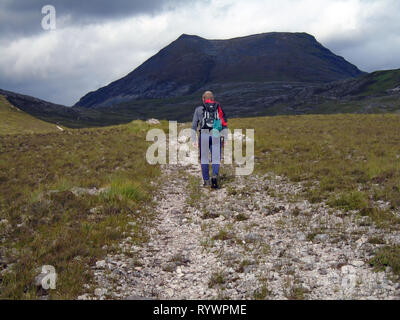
(207, 183)
(214, 182)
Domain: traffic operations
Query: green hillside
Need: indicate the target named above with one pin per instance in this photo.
(380, 81)
(13, 120)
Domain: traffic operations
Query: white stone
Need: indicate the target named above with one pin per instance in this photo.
(348, 270)
(357, 263)
(349, 281)
(99, 292)
(153, 121)
(307, 260)
(362, 240)
(169, 292)
(101, 264)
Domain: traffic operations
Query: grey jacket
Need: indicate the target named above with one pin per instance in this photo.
(196, 122)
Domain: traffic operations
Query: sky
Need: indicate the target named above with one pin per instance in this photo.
(97, 42)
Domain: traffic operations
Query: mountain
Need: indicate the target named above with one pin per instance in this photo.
(62, 115)
(266, 74)
(376, 92)
(191, 63)
(14, 120)
(40, 109)
(378, 83)
(66, 116)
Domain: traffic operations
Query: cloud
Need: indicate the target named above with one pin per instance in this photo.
(374, 41)
(22, 17)
(61, 65)
(93, 47)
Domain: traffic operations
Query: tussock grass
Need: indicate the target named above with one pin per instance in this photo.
(352, 200)
(261, 293)
(125, 189)
(49, 224)
(297, 292)
(223, 235)
(217, 278)
(195, 193)
(388, 256)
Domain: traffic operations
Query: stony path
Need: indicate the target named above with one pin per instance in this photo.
(253, 238)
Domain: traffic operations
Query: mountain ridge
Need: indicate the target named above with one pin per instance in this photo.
(15, 121)
(190, 62)
(375, 92)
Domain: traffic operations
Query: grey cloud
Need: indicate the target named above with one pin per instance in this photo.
(21, 17)
(78, 62)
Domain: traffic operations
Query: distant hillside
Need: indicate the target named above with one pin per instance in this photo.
(190, 63)
(41, 109)
(62, 115)
(378, 83)
(377, 92)
(13, 120)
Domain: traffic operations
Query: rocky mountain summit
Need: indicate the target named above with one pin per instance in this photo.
(191, 62)
(265, 74)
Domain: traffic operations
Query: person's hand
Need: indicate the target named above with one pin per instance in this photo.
(195, 145)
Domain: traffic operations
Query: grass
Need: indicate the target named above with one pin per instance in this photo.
(388, 256)
(261, 293)
(15, 121)
(49, 224)
(195, 193)
(217, 278)
(294, 290)
(209, 215)
(241, 217)
(350, 201)
(222, 235)
(380, 81)
(243, 264)
(350, 161)
(297, 292)
(376, 240)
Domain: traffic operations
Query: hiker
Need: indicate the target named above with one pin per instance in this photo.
(211, 120)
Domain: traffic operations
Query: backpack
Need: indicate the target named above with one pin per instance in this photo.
(210, 116)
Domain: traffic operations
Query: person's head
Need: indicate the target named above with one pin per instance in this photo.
(208, 95)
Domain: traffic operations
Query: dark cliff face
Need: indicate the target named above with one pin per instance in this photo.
(190, 62)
